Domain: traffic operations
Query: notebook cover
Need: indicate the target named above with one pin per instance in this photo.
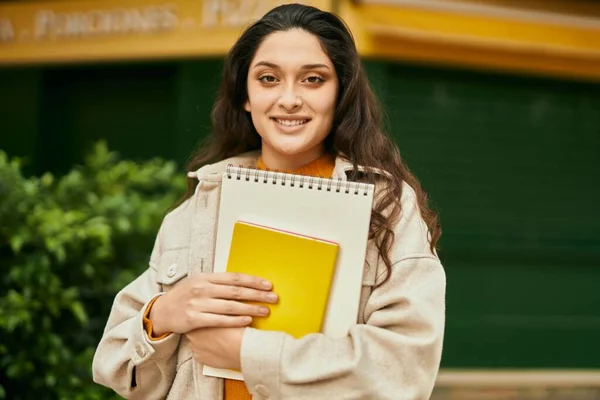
(301, 269)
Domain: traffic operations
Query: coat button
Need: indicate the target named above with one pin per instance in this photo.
(171, 270)
(140, 350)
(262, 391)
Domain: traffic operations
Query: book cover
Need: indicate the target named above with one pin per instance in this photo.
(301, 269)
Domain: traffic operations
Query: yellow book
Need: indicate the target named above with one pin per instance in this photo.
(301, 269)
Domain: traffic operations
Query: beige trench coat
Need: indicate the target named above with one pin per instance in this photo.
(393, 351)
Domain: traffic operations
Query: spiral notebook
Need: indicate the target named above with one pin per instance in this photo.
(335, 210)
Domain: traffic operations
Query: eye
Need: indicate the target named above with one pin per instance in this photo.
(314, 79)
(267, 79)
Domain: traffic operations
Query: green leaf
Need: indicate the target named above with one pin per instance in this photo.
(79, 313)
(16, 243)
(47, 179)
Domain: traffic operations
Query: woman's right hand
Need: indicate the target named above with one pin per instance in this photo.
(211, 300)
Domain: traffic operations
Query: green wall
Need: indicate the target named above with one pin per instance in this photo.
(52, 115)
(510, 162)
(19, 112)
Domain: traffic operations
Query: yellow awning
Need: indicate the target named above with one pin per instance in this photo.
(486, 34)
(563, 39)
(100, 30)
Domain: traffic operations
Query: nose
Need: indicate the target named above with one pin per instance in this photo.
(289, 99)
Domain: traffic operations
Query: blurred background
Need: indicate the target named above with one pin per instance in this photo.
(495, 105)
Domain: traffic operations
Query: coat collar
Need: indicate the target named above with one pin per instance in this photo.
(214, 172)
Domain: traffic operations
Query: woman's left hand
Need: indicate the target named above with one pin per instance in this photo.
(217, 347)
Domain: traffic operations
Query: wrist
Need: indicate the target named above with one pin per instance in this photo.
(156, 316)
(237, 349)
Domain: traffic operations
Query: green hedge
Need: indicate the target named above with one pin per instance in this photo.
(67, 245)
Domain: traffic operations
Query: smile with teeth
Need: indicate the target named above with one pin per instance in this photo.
(291, 122)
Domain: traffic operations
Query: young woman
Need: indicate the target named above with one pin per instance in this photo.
(294, 97)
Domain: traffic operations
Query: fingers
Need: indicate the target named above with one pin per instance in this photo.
(223, 321)
(230, 307)
(239, 279)
(242, 294)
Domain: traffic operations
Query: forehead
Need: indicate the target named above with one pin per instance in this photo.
(291, 48)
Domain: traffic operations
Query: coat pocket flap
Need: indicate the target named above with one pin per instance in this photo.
(173, 266)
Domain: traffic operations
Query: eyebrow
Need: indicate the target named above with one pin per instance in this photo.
(275, 66)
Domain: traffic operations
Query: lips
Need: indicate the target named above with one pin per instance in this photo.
(291, 122)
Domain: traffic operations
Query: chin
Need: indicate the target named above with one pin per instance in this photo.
(290, 149)
(290, 152)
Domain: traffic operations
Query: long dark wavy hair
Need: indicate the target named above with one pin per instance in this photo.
(356, 133)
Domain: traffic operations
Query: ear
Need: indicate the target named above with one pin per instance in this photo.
(247, 105)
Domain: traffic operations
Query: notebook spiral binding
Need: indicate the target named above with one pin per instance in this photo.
(300, 181)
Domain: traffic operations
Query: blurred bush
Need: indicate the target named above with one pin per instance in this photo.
(67, 245)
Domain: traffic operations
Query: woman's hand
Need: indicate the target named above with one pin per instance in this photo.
(217, 347)
(211, 300)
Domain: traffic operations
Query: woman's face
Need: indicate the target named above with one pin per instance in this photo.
(292, 93)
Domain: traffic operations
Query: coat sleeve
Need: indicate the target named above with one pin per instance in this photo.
(395, 355)
(126, 360)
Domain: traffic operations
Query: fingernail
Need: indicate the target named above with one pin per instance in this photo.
(266, 284)
(264, 311)
(271, 296)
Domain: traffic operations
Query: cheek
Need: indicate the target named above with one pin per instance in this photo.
(260, 99)
(324, 103)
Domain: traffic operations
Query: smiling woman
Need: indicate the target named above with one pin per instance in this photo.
(293, 97)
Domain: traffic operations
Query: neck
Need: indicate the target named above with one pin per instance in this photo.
(321, 167)
(282, 162)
